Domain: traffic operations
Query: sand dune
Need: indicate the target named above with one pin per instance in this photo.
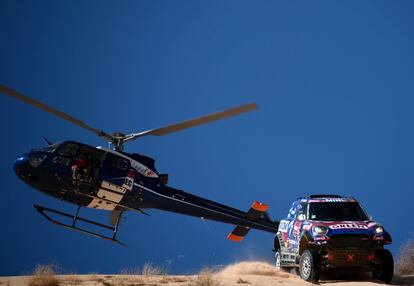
(247, 273)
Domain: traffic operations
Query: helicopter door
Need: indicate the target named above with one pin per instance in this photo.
(116, 170)
(94, 159)
(62, 158)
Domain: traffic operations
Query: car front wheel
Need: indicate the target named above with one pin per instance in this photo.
(385, 266)
(309, 266)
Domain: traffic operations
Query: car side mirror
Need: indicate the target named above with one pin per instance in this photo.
(301, 217)
(370, 217)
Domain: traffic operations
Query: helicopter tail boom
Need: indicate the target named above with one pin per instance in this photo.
(188, 204)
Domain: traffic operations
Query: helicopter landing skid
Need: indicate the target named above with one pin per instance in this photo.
(44, 210)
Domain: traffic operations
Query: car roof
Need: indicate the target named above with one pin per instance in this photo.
(326, 199)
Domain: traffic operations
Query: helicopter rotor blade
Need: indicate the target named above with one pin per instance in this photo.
(118, 139)
(193, 122)
(12, 93)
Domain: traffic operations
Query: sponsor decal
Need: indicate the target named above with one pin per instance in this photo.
(147, 172)
(348, 225)
(296, 229)
(334, 200)
(293, 242)
(283, 225)
(306, 226)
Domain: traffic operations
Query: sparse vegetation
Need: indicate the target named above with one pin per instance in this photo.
(131, 271)
(405, 262)
(205, 278)
(150, 269)
(128, 276)
(242, 281)
(44, 275)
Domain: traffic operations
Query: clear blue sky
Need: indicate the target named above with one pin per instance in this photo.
(333, 80)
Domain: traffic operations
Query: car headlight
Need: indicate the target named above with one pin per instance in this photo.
(320, 230)
(378, 229)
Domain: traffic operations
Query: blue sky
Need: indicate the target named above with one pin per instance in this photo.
(334, 85)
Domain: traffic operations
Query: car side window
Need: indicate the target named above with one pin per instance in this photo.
(292, 211)
(301, 212)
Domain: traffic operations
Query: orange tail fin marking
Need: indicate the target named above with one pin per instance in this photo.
(234, 237)
(260, 207)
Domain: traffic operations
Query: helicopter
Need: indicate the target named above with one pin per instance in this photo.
(116, 181)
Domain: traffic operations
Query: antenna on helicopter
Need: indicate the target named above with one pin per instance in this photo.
(118, 139)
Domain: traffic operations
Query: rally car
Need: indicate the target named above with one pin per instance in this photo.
(330, 231)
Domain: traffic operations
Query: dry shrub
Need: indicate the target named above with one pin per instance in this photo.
(405, 262)
(205, 278)
(129, 276)
(131, 271)
(44, 275)
(150, 269)
(242, 281)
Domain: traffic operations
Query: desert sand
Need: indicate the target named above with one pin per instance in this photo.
(243, 273)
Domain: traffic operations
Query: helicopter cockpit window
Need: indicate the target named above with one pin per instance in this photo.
(120, 163)
(61, 160)
(69, 149)
(92, 153)
(48, 149)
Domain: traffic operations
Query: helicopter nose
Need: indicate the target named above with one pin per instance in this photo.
(22, 168)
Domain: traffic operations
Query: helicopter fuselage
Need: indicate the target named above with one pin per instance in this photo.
(118, 181)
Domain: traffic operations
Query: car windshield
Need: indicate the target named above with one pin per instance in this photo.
(334, 211)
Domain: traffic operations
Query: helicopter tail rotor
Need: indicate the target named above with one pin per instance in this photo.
(256, 211)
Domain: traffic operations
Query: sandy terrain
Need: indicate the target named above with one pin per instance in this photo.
(244, 273)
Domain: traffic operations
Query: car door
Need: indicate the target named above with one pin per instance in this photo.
(297, 225)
